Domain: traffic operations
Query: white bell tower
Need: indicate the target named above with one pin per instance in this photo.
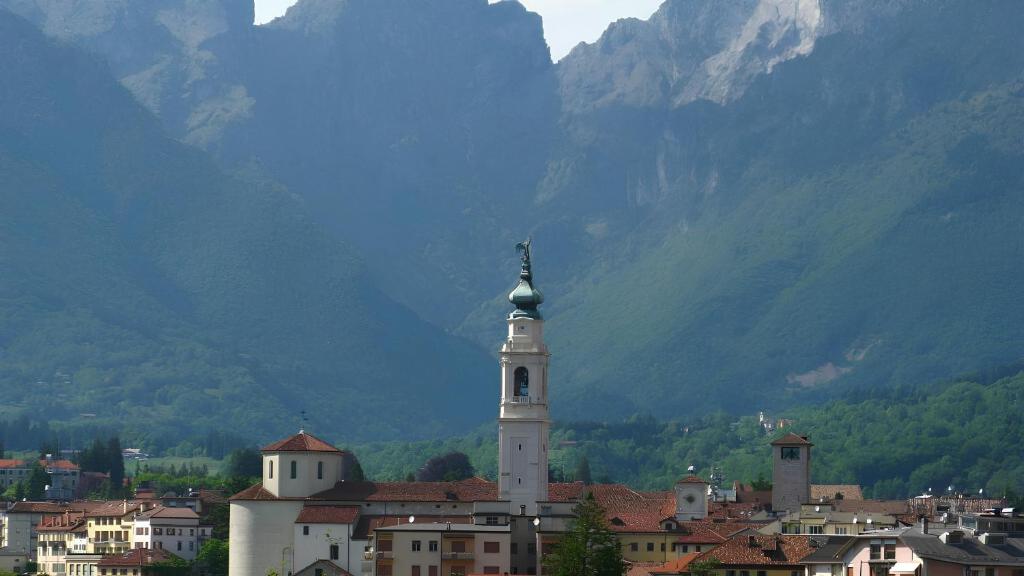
(523, 419)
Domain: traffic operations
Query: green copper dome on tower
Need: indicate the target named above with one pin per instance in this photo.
(525, 297)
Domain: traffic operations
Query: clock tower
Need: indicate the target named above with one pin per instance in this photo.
(523, 418)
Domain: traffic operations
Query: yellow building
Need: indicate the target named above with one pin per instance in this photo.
(109, 527)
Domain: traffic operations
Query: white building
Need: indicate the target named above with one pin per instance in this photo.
(173, 529)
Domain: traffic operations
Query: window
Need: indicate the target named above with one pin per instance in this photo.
(305, 530)
(634, 547)
(514, 548)
(384, 570)
(876, 550)
(531, 549)
(697, 548)
(730, 573)
(521, 386)
(384, 545)
(662, 546)
(295, 469)
(318, 572)
(492, 547)
(840, 530)
(815, 529)
(334, 551)
(790, 453)
(492, 521)
(416, 545)
(432, 545)
(458, 546)
(191, 545)
(270, 469)
(890, 550)
(744, 573)
(431, 570)
(319, 470)
(179, 545)
(650, 546)
(415, 571)
(762, 573)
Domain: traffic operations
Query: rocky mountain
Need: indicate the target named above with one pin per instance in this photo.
(142, 286)
(772, 200)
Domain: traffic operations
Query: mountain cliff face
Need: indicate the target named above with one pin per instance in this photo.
(766, 199)
(142, 285)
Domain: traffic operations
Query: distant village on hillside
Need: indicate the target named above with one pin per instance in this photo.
(310, 516)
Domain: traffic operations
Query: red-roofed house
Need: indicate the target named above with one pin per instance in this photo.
(136, 562)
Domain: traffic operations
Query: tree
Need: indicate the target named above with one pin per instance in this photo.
(761, 483)
(583, 470)
(589, 548)
(116, 462)
(37, 481)
(451, 467)
(212, 558)
(244, 462)
(353, 469)
(704, 567)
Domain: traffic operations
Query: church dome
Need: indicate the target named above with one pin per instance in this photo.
(524, 296)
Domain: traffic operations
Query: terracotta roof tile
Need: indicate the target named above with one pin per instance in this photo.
(170, 512)
(136, 557)
(37, 507)
(829, 492)
(258, 492)
(565, 491)
(301, 442)
(676, 566)
(469, 490)
(11, 463)
(367, 524)
(791, 439)
(762, 550)
(691, 479)
(328, 515)
(630, 511)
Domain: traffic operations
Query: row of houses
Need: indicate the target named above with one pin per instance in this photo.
(84, 537)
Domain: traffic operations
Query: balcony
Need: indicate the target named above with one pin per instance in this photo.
(456, 555)
(385, 555)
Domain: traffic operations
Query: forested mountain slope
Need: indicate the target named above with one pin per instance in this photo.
(735, 204)
(141, 286)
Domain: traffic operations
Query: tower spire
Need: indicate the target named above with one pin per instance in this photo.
(524, 296)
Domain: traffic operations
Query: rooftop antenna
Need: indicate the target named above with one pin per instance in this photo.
(303, 419)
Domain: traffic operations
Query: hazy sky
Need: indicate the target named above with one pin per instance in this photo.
(566, 22)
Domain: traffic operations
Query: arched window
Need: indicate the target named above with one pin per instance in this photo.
(521, 386)
(270, 470)
(295, 469)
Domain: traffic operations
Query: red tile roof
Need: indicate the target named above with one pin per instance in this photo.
(367, 524)
(691, 479)
(829, 491)
(469, 490)
(258, 492)
(301, 442)
(677, 566)
(791, 439)
(62, 464)
(328, 515)
(565, 491)
(37, 507)
(762, 550)
(170, 512)
(10, 463)
(630, 511)
(705, 532)
(61, 523)
(136, 557)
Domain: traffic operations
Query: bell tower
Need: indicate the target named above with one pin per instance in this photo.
(523, 418)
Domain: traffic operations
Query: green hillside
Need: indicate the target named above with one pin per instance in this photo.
(142, 287)
(894, 443)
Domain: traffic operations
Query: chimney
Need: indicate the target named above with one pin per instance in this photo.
(924, 524)
(124, 506)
